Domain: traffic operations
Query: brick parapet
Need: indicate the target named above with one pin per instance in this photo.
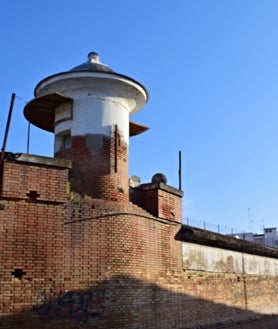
(160, 200)
(34, 181)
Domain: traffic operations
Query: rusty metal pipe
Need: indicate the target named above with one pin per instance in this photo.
(116, 149)
(7, 127)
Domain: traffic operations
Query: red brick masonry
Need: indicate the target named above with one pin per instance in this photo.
(72, 261)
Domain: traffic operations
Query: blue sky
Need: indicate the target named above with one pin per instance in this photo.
(211, 69)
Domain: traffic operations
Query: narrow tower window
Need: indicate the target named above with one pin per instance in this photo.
(63, 141)
(67, 142)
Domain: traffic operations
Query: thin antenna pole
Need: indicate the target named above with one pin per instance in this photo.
(7, 129)
(179, 170)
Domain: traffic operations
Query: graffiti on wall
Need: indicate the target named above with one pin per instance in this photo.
(80, 306)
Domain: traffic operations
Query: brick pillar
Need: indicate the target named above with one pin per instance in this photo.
(159, 199)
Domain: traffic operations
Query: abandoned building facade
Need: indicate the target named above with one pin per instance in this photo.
(83, 246)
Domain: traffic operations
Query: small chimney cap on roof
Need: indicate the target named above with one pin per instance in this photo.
(134, 181)
(93, 64)
(93, 56)
(159, 178)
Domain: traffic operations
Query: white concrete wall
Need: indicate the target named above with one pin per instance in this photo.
(100, 101)
(203, 258)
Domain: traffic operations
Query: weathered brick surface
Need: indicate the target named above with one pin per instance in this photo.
(92, 263)
(100, 170)
(20, 178)
(160, 200)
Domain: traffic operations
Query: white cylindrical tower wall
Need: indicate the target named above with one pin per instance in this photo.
(93, 128)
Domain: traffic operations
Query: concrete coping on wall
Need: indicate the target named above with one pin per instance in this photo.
(39, 160)
(159, 186)
(203, 237)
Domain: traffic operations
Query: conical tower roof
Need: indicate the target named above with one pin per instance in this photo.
(93, 64)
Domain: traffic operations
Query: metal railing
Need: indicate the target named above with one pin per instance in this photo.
(232, 231)
(226, 230)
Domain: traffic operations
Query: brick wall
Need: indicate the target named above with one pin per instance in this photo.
(25, 181)
(100, 167)
(91, 263)
(159, 199)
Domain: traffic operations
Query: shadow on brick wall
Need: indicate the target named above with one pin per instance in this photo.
(123, 302)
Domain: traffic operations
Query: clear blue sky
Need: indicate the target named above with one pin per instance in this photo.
(211, 69)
